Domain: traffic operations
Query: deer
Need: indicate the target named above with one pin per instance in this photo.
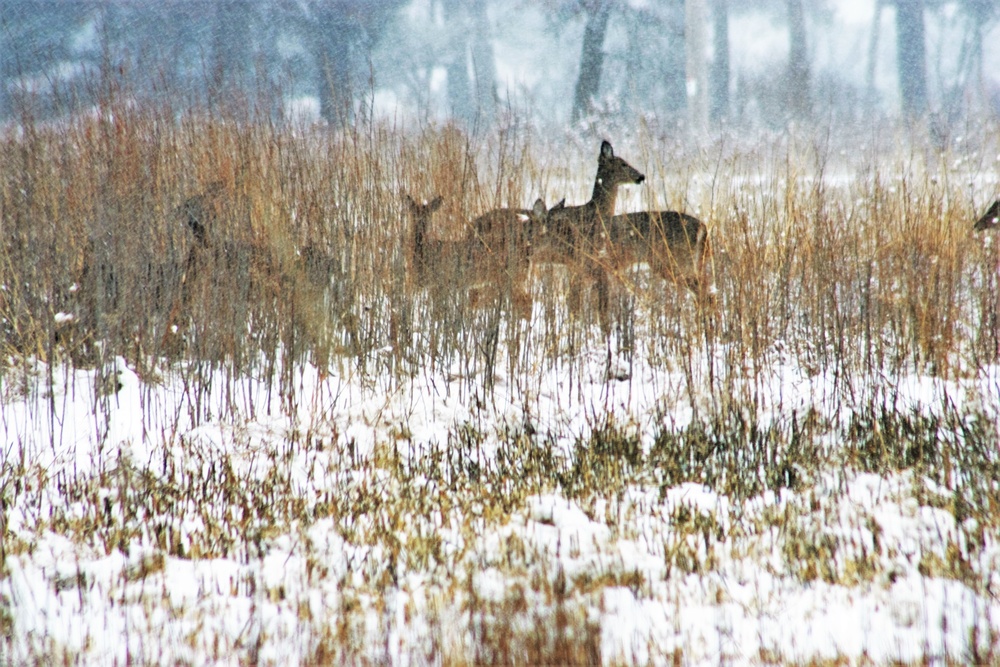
(674, 245)
(990, 219)
(506, 234)
(423, 251)
(495, 251)
(577, 234)
(201, 210)
(211, 252)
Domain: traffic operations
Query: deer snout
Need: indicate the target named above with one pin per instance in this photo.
(641, 178)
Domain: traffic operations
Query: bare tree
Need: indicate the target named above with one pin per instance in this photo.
(342, 34)
(719, 74)
(483, 63)
(459, 85)
(979, 14)
(797, 77)
(231, 50)
(697, 66)
(35, 38)
(471, 99)
(873, 54)
(588, 84)
(911, 56)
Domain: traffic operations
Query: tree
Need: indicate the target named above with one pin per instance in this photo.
(911, 56)
(483, 63)
(231, 49)
(588, 83)
(797, 77)
(719, 74)
(342, 34)
(459, 84)
(36, 38)
(696, 68)
(979, 15)
(873, 54)
(468, 103)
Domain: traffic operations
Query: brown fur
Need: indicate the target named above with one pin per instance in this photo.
(576, 235)
(674, 245)
(495, 253)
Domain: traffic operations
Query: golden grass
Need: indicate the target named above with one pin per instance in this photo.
(310, 239)
(864, 280)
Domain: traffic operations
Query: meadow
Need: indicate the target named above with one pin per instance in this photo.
(279, 446)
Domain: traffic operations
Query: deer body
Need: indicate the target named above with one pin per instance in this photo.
(423, 250)
(507, 235)
(674, 245)
(579, 229)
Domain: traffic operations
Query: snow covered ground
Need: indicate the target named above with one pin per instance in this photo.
(416, 521)
(738, 496)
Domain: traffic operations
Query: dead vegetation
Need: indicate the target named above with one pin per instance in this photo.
(199, 245)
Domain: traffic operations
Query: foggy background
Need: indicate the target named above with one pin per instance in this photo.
(688, 65)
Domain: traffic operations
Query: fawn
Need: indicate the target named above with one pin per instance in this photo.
(990, 219)
(423, 251)
(507, 234)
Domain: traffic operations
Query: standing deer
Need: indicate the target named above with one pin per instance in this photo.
(674, 245)
(215, 257)
(501, 244)
(990, 219)
(507, 234)
(577, 234)
(424, 251)
(200, 211)
(495, 252)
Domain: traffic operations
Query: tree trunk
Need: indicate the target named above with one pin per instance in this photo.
(332, 48)
(459, 85)
(911, 54)
(797, 80)
(483, 64)
(719, 78)
(871, 97)
(588, 84)
(697, 66)
(979, 12)
(231, 54)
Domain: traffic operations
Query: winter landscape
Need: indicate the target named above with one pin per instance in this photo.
(267, 400)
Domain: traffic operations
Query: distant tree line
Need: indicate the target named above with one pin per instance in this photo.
(60, 55)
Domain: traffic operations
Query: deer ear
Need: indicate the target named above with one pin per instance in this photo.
(435, 204)
(607, 150)
(539, 207)
(561, 204)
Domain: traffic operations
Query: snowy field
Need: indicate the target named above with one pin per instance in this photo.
(400, 523)
(809, 475)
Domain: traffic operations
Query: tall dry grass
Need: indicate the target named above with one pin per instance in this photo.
(860, 266)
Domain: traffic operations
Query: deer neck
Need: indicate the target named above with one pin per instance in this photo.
(604, 199)
(419, 236)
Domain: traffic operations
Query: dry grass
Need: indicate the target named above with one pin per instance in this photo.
(861, 282)
(307, 252)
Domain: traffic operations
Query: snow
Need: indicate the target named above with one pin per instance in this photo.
(378, 517)
(733, 598)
